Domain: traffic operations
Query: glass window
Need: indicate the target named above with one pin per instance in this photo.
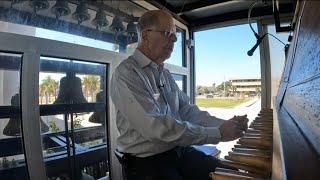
(12, 158)
(177, 56)
(70, 38)
(72, 98)
(225, 74)
(180, 81)
(277, 58)
(131, 48)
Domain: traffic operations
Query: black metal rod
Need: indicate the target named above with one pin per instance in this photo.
(53, 109)
(68, 142)
(8, 111)
(74, 168)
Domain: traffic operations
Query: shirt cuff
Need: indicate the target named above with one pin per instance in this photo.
(213, 135)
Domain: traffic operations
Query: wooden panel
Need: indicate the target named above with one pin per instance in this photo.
(307, 57)
(278, 170)
(301, 161)
(302, 98)
(287, 68)
(299, 114)
(303, 103)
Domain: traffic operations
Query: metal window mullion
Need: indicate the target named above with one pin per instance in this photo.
(30, 114)
(265, 67)
(116, 168)
(192, 73)
(187, 62)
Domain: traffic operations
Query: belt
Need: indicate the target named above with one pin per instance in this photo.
(125, 157)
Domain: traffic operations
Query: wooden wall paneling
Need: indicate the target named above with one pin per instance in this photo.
(289, 62)
(298, 99)
(301, 161)
(307, 57)
(302, 98)
(303, 104)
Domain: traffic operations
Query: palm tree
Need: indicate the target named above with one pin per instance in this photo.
(91, 85)
(48, 87)
(53, 86)
(42, 89)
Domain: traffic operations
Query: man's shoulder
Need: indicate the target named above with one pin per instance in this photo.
(126, 65)
(166, 72)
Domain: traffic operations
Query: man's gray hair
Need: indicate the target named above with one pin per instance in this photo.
(149, 20)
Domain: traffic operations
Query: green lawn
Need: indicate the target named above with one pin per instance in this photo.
(219, 103)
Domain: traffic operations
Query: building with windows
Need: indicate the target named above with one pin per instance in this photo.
(246, 86)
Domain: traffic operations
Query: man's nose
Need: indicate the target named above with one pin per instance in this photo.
(173, 37)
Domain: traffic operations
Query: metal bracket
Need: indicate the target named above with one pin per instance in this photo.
(190, 43)
(276, 16)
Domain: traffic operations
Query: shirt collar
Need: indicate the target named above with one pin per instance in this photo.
(143, 60)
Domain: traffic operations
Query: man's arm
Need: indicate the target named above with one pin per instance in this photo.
(229, 129)
(191, 112)
(137, 105)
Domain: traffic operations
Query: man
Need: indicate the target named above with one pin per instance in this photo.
(157, 124)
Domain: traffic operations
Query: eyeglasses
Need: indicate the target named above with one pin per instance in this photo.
(167, 34)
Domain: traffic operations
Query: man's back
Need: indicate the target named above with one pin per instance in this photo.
(141, 80)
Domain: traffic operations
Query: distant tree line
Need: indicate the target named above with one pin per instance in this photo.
(220, 89)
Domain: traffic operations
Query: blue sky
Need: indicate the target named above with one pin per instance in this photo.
(221, 54)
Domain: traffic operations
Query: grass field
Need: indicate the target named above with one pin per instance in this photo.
(219, 103)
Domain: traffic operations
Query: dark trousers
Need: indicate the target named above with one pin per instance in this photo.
(181, 163)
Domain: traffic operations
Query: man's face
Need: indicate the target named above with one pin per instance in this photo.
(161, 39)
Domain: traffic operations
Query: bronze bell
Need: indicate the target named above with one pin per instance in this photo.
(117, 25)
(13, 128)
(81, 13)
(132, 30)
(61, 8)
(100, 20)
(70, 90)
(38, 5)
(99, 116)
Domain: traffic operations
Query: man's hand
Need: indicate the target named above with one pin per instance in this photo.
(242, 121)
(230, 130)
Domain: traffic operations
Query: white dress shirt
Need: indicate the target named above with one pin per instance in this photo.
(153, 114)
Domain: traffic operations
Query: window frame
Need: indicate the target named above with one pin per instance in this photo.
(30, 81)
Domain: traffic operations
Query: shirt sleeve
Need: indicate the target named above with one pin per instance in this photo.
(133, 100)
(192, 113)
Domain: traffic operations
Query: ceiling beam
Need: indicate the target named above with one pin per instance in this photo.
(243, 14)
(162, 4)
(197, 5)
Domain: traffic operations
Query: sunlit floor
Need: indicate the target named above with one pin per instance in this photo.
(251, 108)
